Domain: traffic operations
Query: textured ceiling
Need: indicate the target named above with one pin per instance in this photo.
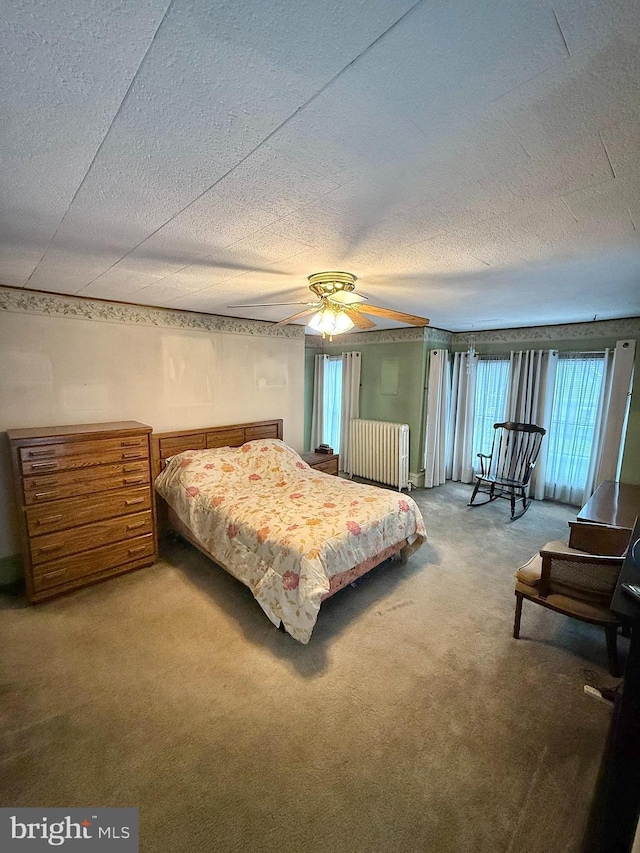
(474, 162)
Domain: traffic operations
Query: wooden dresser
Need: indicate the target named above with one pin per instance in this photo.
(327, 462)
(85, 503)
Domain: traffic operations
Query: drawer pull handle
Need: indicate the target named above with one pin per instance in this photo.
(131, 455)
(45, 549)
(130, 469)
(49, 519)
(57, 572)
(137, 525)
(47, 452)
(131, 481)
(132, 501)
(132, 443)
(41, 466)
(137, 550)
(46, 495)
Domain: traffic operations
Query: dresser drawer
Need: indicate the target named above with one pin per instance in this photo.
(62, 571)
(82, 460)
(75, 448)
(68, 484)
(58, 515)
(65, 542)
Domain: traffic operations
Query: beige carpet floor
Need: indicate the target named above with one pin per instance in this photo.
(411, 722)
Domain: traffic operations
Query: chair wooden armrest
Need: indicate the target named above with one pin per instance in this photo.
(482, 457)
(600, 539)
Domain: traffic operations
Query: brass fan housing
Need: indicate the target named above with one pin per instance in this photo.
(326, 283)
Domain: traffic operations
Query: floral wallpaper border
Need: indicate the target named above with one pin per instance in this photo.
(24, 301)
(21, 301)
(388, 336)
(626, 327)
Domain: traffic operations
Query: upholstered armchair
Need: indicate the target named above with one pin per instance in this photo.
(577, 579)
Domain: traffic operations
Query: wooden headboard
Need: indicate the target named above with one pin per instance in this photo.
(166, 444)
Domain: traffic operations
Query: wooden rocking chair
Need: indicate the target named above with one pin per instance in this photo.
(506, 471)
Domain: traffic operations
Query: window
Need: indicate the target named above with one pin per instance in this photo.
(573, 418)
(332, 403)
(492, 382)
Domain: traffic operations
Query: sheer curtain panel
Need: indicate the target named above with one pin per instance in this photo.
(438, 397)
(578, 396)
(332, 414)
(351, 362)
(492, 380)
(460, 444)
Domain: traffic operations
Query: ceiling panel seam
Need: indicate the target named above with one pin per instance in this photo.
(568, 206)
(586, 187)
(104, 138)
(613, 171)
(561, 33)
(528, 80)
(230, 246)
(544, 70)
(272, 133)
(521, 144)
(217, 283)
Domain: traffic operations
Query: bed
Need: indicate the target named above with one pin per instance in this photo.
(292, 534)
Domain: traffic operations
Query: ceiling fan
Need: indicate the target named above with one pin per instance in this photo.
(338, 307)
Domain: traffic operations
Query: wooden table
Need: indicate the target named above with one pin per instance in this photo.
(617, 504)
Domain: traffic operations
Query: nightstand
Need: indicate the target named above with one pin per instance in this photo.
(326, 462)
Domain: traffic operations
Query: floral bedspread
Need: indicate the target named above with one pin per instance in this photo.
(281, 527)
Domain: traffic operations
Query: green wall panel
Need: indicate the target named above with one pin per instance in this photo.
(392, 384)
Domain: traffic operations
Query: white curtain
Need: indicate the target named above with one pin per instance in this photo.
(613, 405)
(460, 445)
(529, 401)
(578, 396)
(351, 362)
(332, 402)
(525, 386)
(492, 382)
(317, 411)
(438, 397)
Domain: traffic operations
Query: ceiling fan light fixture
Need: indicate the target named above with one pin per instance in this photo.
(343, 323)
(330, 322)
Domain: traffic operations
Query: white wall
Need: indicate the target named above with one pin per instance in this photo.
(70, 370)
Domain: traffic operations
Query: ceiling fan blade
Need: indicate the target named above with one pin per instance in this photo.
(299, 314)
(412, 319)
(359, 319)
(346, 297)
(269, 304)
